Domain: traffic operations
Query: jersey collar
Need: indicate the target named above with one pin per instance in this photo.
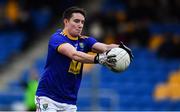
(69, 36)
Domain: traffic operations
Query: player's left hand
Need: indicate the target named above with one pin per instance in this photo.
(105, 59)
(128, 50)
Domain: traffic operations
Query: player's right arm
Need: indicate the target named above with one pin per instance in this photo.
(68, 50)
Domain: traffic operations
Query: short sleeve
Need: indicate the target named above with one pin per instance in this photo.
(56, 40)
(91, 41)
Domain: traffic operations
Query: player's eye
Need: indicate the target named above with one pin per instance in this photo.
(82, 22)
(76, 20)
(79, 21)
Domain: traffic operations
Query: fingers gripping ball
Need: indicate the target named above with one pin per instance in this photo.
(122, 59)
(105, 59)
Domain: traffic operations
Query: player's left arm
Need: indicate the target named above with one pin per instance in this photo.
(101, 47)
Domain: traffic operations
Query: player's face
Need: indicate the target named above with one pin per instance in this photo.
(75, 24)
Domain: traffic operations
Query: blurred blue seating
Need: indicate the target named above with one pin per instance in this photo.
(113, 5)
(86, 81)
(7, 98)
(84, 104)
(41, 18)
(155, 29)
(10, 42)
(15, 85)
(162, 28)
(40, 64)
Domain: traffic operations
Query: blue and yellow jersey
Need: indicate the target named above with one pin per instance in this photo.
(62, 76)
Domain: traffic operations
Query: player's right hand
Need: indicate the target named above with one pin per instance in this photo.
(105, 59)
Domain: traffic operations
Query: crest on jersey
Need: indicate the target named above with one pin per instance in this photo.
(81, 45)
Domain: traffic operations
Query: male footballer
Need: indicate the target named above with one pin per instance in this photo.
(67, 52)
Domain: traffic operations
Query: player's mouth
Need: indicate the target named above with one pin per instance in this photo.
(78, 30)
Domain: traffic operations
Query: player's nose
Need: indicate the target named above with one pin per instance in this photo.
(80, 26)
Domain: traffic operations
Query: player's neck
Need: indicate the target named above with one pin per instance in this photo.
(66, 33)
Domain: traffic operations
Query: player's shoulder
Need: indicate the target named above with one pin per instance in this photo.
(57, 34)
(85, 37)
(62, 33)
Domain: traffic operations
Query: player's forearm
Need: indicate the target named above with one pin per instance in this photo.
(101, 47)
(110, 46)
(83, 57)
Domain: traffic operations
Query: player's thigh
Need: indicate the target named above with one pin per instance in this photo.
(71, 110)
(47, 110)
(67, 108)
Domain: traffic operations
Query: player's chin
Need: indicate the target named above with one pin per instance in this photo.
(75, 34)
(78, 34)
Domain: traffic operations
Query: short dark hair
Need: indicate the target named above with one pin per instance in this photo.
(68, 12)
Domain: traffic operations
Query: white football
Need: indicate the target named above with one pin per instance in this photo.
(122, 57)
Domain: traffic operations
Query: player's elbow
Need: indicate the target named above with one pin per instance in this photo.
(74, 56)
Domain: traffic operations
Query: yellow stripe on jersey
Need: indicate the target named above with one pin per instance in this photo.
(65, 33)
(59, 47)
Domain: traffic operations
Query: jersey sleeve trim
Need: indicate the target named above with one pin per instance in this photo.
(59, 47)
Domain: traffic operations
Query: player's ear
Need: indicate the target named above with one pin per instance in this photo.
(65, 21)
